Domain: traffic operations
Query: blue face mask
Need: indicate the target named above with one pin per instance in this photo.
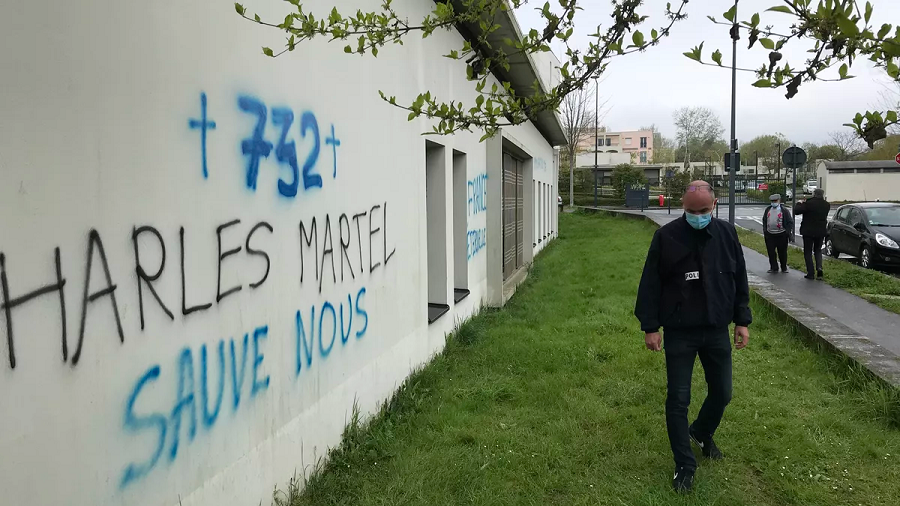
(698, 221)
(775, 205)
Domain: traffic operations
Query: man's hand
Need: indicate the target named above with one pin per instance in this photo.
(653, 340)
(741, 337)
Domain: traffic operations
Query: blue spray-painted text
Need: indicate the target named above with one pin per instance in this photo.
(477, 194)
(168, 427)
(476, 241)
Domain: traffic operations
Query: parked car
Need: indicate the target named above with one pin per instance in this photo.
(810, 186)
(868, 231)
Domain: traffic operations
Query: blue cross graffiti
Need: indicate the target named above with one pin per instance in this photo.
(334, 145)
(203, 124)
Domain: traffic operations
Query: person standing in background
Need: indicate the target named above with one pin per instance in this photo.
(813, 229)
(778, 229)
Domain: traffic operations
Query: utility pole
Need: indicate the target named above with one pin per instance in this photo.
(735, 35)
(596, 132)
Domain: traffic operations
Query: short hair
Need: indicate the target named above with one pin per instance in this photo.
(818, 192)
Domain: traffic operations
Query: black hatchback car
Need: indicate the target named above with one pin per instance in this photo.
(868, 231)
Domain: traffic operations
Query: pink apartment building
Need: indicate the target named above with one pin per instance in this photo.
(638, 143)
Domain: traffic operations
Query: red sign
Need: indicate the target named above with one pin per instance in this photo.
(764, 186)
(897, 158)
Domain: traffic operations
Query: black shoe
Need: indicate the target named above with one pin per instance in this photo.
(784, 270)
(683, 482)
(809, 276)
(772, 271)
(821, 275)
(707, 446)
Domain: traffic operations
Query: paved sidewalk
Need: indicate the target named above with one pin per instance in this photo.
(866, 319)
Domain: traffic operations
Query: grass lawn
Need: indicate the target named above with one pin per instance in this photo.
(876, 287)
(554, 400)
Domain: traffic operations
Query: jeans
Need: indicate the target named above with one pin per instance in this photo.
(777, 243)
(813, 245)
(682, 346)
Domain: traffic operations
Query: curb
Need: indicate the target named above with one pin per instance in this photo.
(821, 328)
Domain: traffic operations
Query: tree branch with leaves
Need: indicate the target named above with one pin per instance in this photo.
(838, 33)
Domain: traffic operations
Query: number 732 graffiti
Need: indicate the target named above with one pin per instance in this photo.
(256, 146)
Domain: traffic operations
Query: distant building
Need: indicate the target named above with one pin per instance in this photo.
(860, 181)
(636, 143)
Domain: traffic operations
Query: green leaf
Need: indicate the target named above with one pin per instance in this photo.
(781, 8)
(767, 43)
(893, 70)
(256, 18)
(711, 19)
(375, 52)
(717, 57)
(847, 26)
(479, 100)
(638, 38)
(411, 116)
(891, 117)
(239, 8)
(348, 49)
(868, 11)
(843, 71)
(763, 83)
(754, 21)
(692, 55)
(729, 14)
(268, 52)
(858, 119)
(654, 34)
(885, 28)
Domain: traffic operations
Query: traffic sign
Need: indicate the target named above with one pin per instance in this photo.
(727, 161)
(897, 158)
(794, 157)
(763, 186)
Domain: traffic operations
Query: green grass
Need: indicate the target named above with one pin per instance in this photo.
(876, 287)
(554, 400)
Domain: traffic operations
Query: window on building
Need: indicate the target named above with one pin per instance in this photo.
(643, 142)
(628, 141)
(513, 217)
(643, 157)
(436, 229)
(608, 141)
(460, 222)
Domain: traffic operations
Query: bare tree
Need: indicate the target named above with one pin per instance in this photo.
(697, 126)
(578, 122)
(848, 142)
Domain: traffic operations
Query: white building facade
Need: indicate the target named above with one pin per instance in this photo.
(208, 256)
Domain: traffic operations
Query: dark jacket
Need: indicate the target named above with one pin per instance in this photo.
(815, 217)
(665, 294)
(788, 220)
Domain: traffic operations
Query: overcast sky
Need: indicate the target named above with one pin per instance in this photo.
(645, 88)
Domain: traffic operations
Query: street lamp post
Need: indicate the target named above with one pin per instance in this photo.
(735, 35)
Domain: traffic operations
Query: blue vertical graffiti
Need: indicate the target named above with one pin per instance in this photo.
(184, 400)
(334, 142)
(286, 152)
(237, 380)
(210, 415)
(477, 194)
(135, 423)
(258, 384)
(310, 178)
(476, 241)
(256, 146)
(203, 124)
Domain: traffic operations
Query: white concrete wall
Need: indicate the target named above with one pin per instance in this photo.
(586, 159)
(856, 187)
(112, 401)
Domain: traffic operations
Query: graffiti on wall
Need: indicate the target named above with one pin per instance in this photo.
(476, 239)
(337, 256)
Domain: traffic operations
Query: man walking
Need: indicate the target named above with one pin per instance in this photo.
(778, 229)
(694, 286)
(815, 221)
